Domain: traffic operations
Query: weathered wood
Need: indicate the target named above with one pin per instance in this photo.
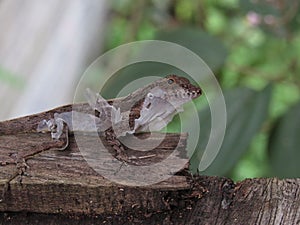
(54, 176)
(59, 187)
(202, 201)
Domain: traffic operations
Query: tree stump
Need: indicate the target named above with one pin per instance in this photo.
(59, 187)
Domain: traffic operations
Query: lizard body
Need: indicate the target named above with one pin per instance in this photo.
(149, 108)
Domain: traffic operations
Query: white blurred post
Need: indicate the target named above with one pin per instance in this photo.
(48, 44)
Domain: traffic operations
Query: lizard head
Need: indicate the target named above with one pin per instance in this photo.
(163, 100)
(176, 90)
(182, 86)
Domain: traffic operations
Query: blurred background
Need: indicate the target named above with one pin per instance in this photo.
(252, 46)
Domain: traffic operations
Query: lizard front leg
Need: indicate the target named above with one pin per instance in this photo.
(111, 139)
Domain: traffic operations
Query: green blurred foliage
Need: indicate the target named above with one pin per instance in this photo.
(10, 79)
(253, 48)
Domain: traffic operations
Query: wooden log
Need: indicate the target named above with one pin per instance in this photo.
(60, 187)
(52, 177)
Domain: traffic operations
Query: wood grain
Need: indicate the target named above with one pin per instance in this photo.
(60, 187)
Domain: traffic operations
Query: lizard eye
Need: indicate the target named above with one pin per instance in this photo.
(150, 95)
(170, 81)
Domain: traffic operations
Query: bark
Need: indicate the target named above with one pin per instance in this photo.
(59, 187)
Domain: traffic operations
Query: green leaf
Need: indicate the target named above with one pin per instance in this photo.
(284, 145)
(246, 111)
(209, 48)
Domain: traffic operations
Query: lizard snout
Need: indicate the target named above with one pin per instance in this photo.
(195, 91)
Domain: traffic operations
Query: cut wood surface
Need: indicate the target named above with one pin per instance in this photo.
(60, 187)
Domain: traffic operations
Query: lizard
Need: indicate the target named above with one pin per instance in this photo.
(149, 108)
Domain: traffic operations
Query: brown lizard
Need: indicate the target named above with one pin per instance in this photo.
(147, 109)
